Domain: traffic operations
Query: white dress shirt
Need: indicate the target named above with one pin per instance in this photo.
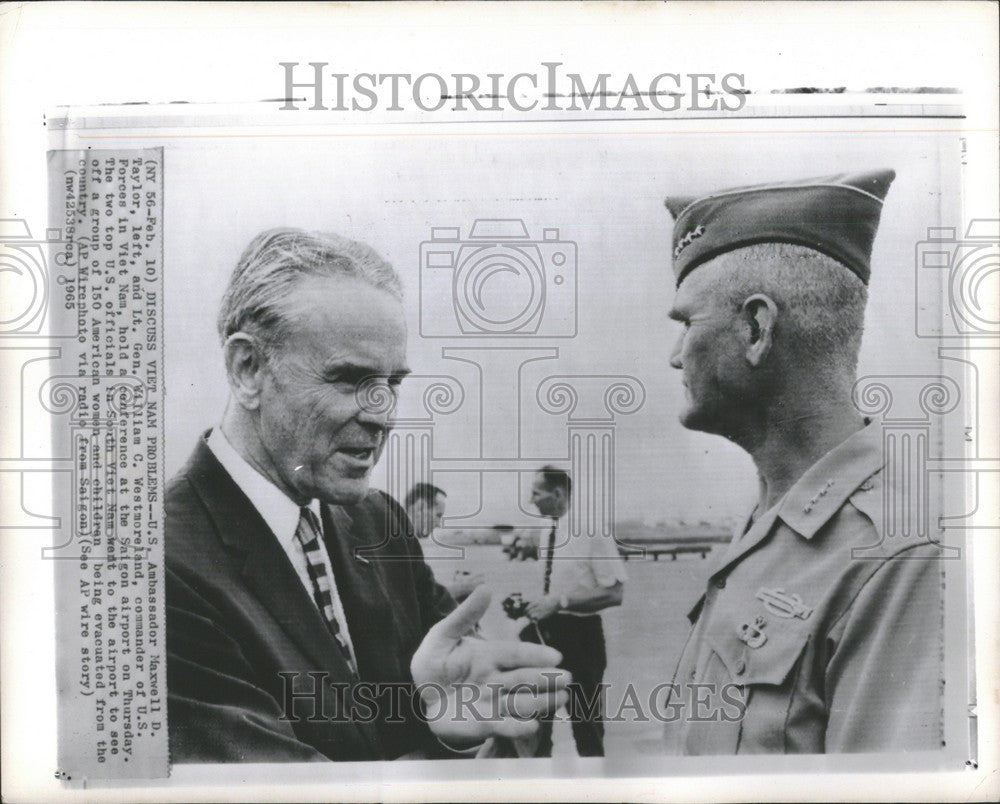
(579, 563)
(282, 516)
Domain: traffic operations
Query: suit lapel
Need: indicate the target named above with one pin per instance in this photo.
(269, 574)
(353, 578)
(265, 565)
(362, 587)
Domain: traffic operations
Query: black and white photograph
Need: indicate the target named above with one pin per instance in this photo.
(552, 373)
(457, 427)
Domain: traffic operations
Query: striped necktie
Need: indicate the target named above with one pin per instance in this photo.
(308, 534)
(548, 559)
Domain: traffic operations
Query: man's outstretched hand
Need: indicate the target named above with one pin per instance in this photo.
(473, 688)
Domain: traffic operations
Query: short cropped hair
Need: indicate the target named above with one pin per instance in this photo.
(424, 492)
(554, 478)
(820, 301)
(275, 262)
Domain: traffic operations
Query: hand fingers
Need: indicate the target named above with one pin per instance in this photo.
(541, 681)
(511, 655)
(514, 716)
(463, 619)
(528, 705)
(519, 724)
(492, 713)
(515, 729)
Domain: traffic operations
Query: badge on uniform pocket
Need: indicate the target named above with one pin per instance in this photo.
(752, 634)
(783, 604)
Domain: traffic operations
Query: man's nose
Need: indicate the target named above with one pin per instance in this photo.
(675, 355)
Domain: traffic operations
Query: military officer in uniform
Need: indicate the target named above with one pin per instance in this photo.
(817, 631)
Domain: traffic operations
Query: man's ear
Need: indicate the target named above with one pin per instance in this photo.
(760, 314)
(245, 368)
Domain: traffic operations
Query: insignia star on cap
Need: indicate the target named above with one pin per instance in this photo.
(685, 241)
(835, 215)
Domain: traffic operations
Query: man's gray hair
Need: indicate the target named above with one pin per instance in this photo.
(821, 303)
(275, 261)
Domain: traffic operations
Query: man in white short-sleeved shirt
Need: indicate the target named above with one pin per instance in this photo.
(580, 576)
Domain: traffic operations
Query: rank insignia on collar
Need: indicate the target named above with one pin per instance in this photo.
(753, 635)
(782, 604)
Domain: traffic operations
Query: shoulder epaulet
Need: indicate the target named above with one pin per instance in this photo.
(878, 499)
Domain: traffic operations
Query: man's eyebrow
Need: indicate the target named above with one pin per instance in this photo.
(349, 369)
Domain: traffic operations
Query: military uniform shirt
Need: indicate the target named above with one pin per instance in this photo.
(817, 632)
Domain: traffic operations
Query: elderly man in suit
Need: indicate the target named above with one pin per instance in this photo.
(302, 621)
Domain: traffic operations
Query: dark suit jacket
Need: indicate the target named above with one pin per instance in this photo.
(238, 615)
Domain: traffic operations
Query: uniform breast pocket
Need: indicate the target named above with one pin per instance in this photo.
(763, 665)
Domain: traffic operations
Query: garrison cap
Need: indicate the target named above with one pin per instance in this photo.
(836, 215)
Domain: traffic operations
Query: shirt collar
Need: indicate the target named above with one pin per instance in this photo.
(825, 487)
(279, 512)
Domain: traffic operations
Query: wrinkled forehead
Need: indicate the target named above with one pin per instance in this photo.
(345, 300)
(348, 317)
